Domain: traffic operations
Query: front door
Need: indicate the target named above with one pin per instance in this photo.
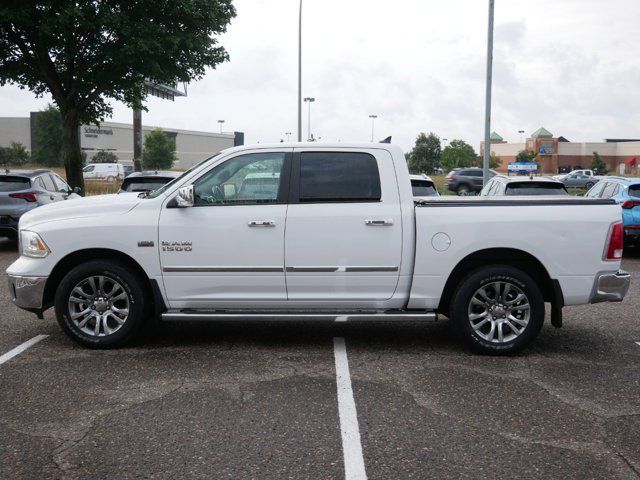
(228, 249)
(344, 233)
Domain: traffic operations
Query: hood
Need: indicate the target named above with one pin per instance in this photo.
(82, 207)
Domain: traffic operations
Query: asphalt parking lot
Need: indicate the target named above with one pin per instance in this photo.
(259, 400)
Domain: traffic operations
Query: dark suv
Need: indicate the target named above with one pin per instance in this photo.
(466, 181)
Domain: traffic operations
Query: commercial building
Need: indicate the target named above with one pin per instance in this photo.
(556, 152)
(191, 146)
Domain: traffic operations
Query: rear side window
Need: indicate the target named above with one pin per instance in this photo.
(634, 190)
(536, 188)
(609, 190)
(13, 184)
(48, 183)
(339, 177)
(423, 188)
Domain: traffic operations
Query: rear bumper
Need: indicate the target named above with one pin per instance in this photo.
(27, 292)
(610, 287)
(9, 228)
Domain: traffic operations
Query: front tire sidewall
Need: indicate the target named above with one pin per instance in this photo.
(131, 285)
(486, 275)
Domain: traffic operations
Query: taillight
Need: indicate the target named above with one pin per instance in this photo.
(630, 204)
(29, 197)
(450, 175)
(615, 241)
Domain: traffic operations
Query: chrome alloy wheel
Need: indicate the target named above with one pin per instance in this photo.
(99, 306)
(499, 311)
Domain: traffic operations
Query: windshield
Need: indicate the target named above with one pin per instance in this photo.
(161, 190)
(423, 188)
(536, 188)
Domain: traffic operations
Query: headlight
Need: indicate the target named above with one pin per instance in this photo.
(31, 245)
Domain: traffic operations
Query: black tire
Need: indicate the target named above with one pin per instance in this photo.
(488, 277)
(133, 292)
(588, 185)
(463, 190)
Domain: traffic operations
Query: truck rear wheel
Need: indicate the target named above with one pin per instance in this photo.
(498, 310)
(100, 304)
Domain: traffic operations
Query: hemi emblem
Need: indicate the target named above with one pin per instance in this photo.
(146, 243)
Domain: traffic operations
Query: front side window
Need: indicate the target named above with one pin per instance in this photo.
(247, 179)
(61, 185)
(89, 168)
(339, 177)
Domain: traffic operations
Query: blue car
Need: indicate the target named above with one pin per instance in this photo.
(626, 192)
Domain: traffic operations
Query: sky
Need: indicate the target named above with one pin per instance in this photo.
(571, 66)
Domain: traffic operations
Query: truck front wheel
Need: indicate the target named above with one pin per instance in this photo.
(100, 304)
(498, 310)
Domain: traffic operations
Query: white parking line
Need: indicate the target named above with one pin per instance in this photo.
(351, 446)
(21, 348)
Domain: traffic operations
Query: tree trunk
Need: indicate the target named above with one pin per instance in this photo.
(71, 154)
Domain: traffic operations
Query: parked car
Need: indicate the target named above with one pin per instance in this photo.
(128, 170)
(24, 190)
(503, 185)
(106, 172)
(341, 236)
(423, 186)
(579, 180)
(588, 173)
(626, 192)
(147, 181)
(466, 181)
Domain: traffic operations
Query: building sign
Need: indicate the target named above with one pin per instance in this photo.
(546, 150)
(93, 132)
(527, 167)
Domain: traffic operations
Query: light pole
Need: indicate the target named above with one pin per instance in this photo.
(288, 134)
(220, 122)
(300, 74)
(310, 100)
(521, 132)
(373, 125)
(487, 118)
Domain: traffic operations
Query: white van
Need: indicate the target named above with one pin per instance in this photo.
(109, 172)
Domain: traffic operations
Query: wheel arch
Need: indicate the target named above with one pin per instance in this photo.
(513, 257)
(78, 257)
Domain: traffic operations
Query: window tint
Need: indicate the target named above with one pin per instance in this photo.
(423, 188)
(48, 183)
(247, 179)
(536, 188)
(472, 173)
(634, 190)
(89, 168)
(339, 177)
(596, 190)
(138, 184)
(13, 184)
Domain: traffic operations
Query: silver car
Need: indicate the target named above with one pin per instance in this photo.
(579, 180)
(24, 190)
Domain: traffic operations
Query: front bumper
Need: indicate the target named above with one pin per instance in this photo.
(27, 292)
(610, 287)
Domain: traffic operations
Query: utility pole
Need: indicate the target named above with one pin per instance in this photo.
(373, 125)
(220, 122)
(310, 100)
(300, 74)
(487, 119)
(137, 139)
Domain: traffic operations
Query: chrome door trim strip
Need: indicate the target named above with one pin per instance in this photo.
(222, 269)
(340, 269)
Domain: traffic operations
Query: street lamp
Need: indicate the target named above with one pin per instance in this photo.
(521, 132)
(288, 134)
(373, 125)
(300, 74)
(310, 100)
(487, 117)
(220, 122)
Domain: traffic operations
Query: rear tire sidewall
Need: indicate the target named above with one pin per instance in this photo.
(132, 287)
(588, 185)
(463, 190)
(483, 276)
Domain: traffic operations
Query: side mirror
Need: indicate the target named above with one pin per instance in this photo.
(229, 190)
(76, 190)
(185, 197)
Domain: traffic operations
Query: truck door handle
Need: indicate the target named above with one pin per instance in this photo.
(262, 223)
(378, 223)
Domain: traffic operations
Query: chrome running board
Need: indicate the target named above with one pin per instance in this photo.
(194, 315)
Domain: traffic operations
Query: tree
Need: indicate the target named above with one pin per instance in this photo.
(526, 156)
(458, 154)
(104, 157)
(47, 137)
(426, 154)
(19, 154)
(159, 151)
(86, 52)
(598, 165)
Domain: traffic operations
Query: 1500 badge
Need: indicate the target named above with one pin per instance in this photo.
(177, 246)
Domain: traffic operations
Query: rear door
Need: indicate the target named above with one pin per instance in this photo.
(343, 239)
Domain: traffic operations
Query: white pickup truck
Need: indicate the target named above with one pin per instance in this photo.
(315, 231)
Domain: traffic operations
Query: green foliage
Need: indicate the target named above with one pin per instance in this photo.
(494, 161)
(526, 156)
(426, 154)
(598, 165)
(19, 154)
(458, 154)
(85, 53)
(159, 151)
(104, 157)
(47, 137)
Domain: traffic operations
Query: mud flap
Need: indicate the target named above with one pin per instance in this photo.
(556, 305)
